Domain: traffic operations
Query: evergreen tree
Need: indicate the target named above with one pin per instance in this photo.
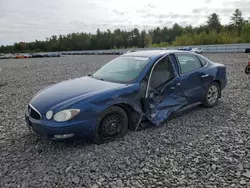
(213, 22)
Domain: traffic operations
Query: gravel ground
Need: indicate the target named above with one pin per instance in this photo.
(201, 148)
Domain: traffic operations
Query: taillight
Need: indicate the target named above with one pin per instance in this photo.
(249, 63)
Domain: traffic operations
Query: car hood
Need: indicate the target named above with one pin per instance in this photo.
(69, 92)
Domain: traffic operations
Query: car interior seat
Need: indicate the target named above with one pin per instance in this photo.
(162, 73)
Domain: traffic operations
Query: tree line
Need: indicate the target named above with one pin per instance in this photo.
(213, 32)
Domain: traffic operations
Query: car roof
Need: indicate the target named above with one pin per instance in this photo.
(153, 53)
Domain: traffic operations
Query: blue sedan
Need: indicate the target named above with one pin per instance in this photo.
(139, 86)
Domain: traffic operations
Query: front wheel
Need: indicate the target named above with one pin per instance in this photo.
(212, 95)
(111, 125)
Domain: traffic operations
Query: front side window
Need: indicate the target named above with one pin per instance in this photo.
(122, 69)
(162, 73)
(188, 62)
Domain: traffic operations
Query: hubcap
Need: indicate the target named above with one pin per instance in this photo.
(110, 127)
(212, 94)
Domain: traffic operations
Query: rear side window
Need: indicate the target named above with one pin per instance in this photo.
(188, 62)
(203, 61)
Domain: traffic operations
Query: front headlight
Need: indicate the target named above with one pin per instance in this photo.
(66, 115)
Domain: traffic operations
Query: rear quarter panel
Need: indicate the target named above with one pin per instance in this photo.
(221, 75)
(216, 72)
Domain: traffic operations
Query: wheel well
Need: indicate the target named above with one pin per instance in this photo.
(133, 115)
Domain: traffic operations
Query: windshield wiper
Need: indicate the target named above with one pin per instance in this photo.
(99, 78)
(91, 75)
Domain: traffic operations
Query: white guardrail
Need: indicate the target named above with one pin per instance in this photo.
(214, 48)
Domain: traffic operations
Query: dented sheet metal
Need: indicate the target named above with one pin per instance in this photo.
(170, 99)
(162, 111)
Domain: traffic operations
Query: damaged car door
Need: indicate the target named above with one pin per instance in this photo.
(163, 94)
(192, 77)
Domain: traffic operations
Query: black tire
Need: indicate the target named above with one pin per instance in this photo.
(212, 95)
(247, 69)
(113, 116)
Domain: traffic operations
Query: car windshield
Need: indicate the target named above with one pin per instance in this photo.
(122, 69)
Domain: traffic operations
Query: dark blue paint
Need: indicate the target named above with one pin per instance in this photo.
(171, 99)
(192, 86)
(94, 96)
(70, 92)
(185, 48)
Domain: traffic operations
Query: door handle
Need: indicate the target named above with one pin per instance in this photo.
(176, 84)
(206, 75)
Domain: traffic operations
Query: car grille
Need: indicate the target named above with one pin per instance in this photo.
(34, 112)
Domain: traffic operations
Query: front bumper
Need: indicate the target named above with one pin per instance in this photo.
(83, 130)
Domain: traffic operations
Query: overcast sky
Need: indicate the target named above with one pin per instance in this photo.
(28, 20)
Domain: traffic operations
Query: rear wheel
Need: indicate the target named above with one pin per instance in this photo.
(111, 125)
(212, 95)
